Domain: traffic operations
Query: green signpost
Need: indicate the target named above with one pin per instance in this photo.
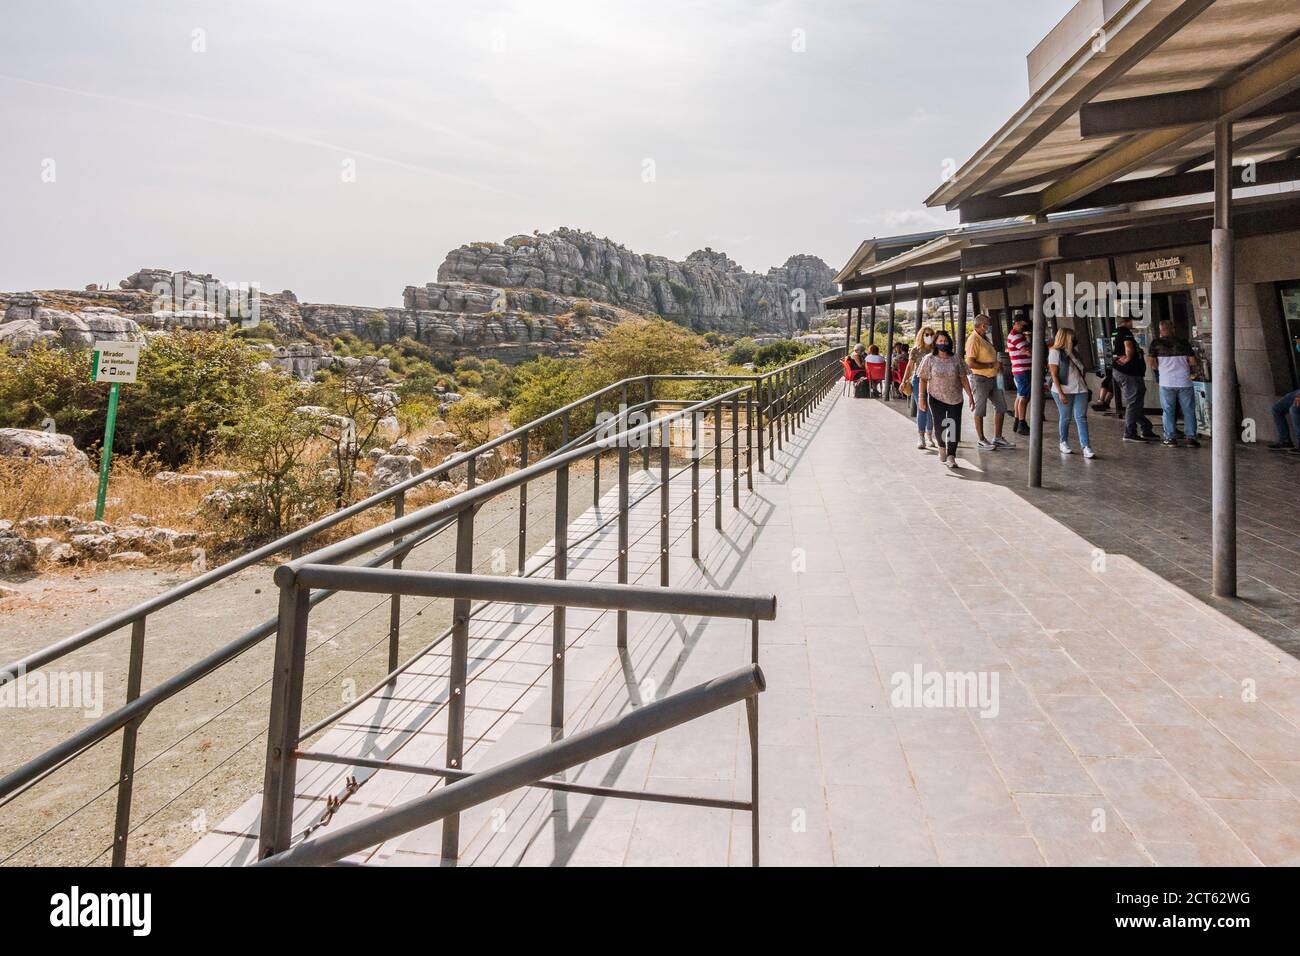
(113, 362)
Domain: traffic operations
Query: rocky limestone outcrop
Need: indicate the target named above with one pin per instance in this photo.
(27, 321)
(530, 295)
(708, 290)
(48, 448)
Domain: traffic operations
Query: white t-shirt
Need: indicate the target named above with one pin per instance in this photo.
(1072, 380)
(876, 359)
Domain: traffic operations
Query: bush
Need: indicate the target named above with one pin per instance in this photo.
(778, 354)
(743, 351)
(190, 385)
(286, 489)
(471, 418)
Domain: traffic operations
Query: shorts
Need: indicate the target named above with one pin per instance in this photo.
(986, 389)
(1022, 384)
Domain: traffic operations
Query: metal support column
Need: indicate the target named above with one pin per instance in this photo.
(695, 486)
(126, 772)
(645, 438)
(1037, 371)
(459, 671)
(395, 602)
(889, 344)
(523, 505)
(961, 317)
(749, 439)
(286, 719)
(717, 466)
(623, 455)
(1223, 385)
(735, 451)
(665, 503)
(560, 572)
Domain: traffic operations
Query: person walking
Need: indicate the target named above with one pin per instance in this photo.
(982, 360)
(1288, 437)
(924, 419)
(1070, 391)
(1021, 353)
(942, 379)
(1172, 357)
(1129, 368)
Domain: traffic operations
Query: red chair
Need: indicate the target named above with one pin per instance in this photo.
(875, 375)
(897, 376)
(851, 374)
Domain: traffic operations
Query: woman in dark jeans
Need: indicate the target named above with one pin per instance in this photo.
(943, 378)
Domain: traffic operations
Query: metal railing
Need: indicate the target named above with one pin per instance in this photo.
(470, 789)
(773, 403)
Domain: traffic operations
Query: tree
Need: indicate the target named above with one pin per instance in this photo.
(361, 404)
(646, 347)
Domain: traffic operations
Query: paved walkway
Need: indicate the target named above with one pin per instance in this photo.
(1112, 718)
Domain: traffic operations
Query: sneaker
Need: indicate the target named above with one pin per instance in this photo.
(1088, 452)
(951, 462)
(1100, 407)
(985, 445)
(1001, 442)
(1065, 448)
(1022, 427)
(920, 443)
(1169, 442)
(933, 443)
(1193, 443)
(1140, 439)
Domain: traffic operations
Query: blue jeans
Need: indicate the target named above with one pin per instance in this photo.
(924, 420)
(1285, 408)
(1172, 398)
(1076, 406)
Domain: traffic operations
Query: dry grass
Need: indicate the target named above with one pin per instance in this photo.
(27, 490)
(136, 496)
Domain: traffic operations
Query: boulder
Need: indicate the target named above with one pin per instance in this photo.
(49, 448)
(393, 469)
(49, 523)
(16, 554)
(92, 546)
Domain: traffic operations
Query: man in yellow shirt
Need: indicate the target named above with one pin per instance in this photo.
(982, 360)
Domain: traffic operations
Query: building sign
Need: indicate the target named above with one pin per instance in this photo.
(1165, 269)
(115, 362)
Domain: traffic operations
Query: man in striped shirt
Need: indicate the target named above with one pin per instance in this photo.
(1022, 360)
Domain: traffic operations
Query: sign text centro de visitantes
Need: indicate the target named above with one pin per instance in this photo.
(115, 361)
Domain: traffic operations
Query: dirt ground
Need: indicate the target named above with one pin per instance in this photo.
(201, 754)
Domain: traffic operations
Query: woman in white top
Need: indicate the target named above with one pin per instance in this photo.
(1070, 391)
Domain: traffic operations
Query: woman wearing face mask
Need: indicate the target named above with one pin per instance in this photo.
(924, 419)
(943, 378)
(1070, 390)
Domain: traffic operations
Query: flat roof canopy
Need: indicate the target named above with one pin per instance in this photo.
(939, 289)
(1127, 118)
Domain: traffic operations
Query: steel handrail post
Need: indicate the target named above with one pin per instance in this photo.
(126, 772)
(457, 673)
(286, 714)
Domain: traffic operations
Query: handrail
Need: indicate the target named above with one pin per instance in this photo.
(780, 398)
(472, 497)
(139, 611)
(486, 587)
(646, 721)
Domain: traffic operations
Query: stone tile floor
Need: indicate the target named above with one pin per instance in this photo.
(1124, 721)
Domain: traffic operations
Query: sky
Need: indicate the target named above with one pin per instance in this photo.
(341, 149)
